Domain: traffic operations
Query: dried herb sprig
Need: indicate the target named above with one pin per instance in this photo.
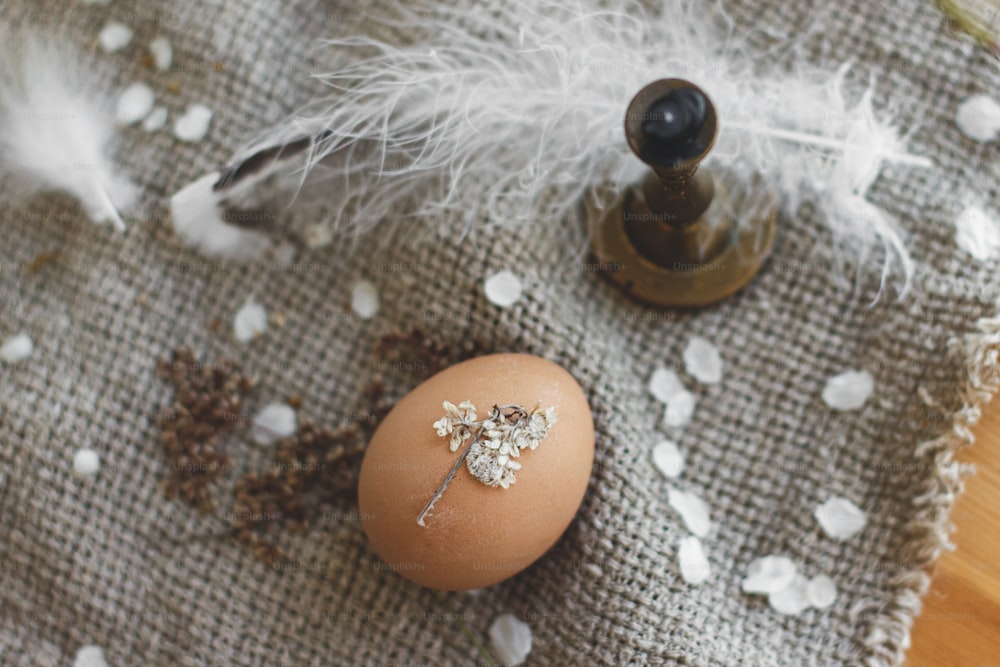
(493, 443)
(209, 400)
(316, 467)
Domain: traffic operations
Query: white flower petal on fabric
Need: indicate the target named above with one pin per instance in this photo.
(193, 124)
(502, 289)
(821, 591)
(769, 574)
(693, 511)
(848, 390)
(978, 117)
(668, 459)
(17, 348)
(134, 103)
(792, 599)
(114, 37)
(692, 561)
(840, 518)
(90, 656)
(364, 299)
(679, 410)
(156, 119)
(250, 321)
(86, 463)
(274, 422)
(703, 361)
(664, 384)
(162, 52)
(978, 233)
(511, 639)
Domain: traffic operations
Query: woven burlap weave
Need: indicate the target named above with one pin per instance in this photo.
(111, 562)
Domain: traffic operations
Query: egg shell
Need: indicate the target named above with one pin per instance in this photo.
(476, 535)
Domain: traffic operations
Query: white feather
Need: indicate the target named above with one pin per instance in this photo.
(519, 111)
(56, 130)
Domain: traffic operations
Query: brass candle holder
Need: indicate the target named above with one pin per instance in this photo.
(680, 237)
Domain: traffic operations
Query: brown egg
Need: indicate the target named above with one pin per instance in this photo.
(476, 535)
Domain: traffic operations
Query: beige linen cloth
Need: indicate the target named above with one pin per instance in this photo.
(110, 561)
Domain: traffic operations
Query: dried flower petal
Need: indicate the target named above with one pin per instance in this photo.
(16, 348)
(849, 390)
(821, 591)
(90, 656)
(978, 233)
(274, 422)
(134, 104)
(156, 119)
(679, 410)
(978, 118)
(668, 459)
(86, 463)
(769, 574)
(703, 361)
(193, 124)
(511, 639)
(162, 52)
(114, 37)
(664, 384)
(693, 511)
(840, 518)
(250, 321)
(691, 560)
(364, 299)
(502, 289)
(792, 599)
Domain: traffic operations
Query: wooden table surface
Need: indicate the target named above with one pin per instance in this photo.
(960, 622)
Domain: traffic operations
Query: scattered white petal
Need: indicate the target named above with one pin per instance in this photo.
(679, 409)
(978, 118)
(502, 289)
(849, 390)
(193, 124)
(511, 639)
(692, 510)
(86, 463)
(250, 321)
(792, 599)
(668, 459)
(840, 518)
(114, 37)
(134, 104)
(163, 53)
(664, 385)
(156, 119)
(364, 299)
(769, 574)
(274, 422)
(821, 592)
(703, 361)
(978, 233)
(90, 656)
(692, 561)
(16, 348)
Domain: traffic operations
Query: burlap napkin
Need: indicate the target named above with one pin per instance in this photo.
(112, 562)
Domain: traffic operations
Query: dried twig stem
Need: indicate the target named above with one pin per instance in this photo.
(495, 414)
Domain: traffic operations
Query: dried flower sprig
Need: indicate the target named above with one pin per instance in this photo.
(491, 445)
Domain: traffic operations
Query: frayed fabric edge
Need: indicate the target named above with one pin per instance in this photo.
(889, 637)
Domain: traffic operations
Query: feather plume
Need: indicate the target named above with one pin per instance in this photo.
(55, 129)
(518, 113)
